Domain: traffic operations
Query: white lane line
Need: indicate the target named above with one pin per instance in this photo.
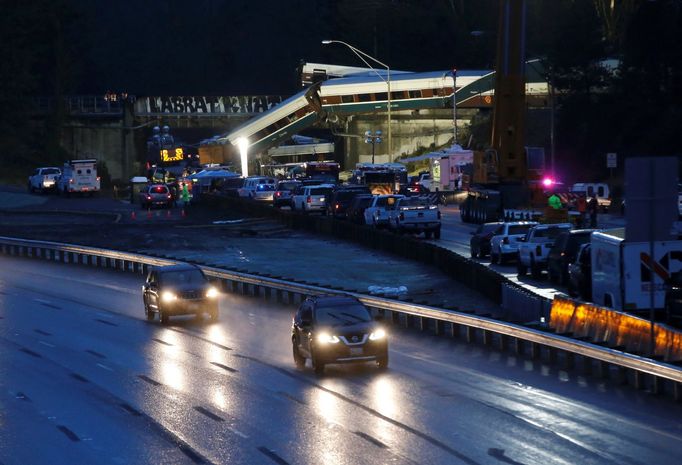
(104, 367)
(42, 301)
(238, 433)
(46, 344)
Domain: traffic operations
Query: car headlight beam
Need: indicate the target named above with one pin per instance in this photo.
(327, 338)
(168, 296)
(212, 293)
(377, 335)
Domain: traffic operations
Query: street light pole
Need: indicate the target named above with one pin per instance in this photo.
(360, 54)
(373, 138)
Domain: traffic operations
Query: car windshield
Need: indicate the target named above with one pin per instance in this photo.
(159, 189)
(182, 277)
(345, 195)
(287, 186)
(342, 315)
(519, 229)
(486, 228)
(51, 171)
(414, 202)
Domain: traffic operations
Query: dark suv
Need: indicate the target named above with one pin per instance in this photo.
(342, 198)
(337, 329)
(564, 252)
(178, 290)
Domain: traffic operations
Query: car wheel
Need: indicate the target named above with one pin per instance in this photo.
(428, 234)
(318, 366)
(494, 258)
(148, 313)
(163, 317)
(382, 362)
(552, 276)
(436, 233)
(521, 269)
(474, 252)
(503, 259)
(534, 268)
(299, 359)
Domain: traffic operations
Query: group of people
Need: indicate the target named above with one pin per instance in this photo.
(585, 207)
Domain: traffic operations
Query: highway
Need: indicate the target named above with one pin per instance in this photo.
(85, 379)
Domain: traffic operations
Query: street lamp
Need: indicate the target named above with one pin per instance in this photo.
(373, 138)
(360, 54)
(243, 144)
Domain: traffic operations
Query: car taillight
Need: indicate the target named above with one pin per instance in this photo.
(309, 199)
(278, 194)
(98, 178)
(402, 216)
(149, 197)
(169, 196)
(70, 181)
(337, 206)
(505, 240)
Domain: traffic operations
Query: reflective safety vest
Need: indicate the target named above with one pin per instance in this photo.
(555, 202)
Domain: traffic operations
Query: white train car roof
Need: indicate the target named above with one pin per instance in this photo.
(400, 82)
(255, 124)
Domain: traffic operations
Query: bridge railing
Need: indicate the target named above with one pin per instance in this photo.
(80, 105)
(423, 317)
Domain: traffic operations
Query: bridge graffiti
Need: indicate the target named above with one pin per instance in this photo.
(217, 105)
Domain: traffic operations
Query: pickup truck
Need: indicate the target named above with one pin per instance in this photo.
(378, 213)
(43, 179)
(535, 247)
(414, 214)
(505, 244)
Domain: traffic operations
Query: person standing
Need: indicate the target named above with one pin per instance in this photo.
(581, 205)
(554, 202)
(592, 208)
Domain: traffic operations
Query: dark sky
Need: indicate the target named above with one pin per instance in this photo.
(228, 47)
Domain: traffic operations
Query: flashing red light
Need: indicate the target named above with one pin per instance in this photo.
(547, 182)
(309, 199)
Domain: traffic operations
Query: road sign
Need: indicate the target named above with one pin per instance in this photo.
(611, 160)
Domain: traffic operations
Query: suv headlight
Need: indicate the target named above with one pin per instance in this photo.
(327, 338)
(377, 335)
(168, 296)
(212, 293)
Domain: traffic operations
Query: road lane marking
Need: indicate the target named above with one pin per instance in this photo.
(105, 322)
(52, 346)
(104, 367)
(272, 455)
(208, 413)
(44, 333)
(96, 354)
(238, 433)
(69, 434)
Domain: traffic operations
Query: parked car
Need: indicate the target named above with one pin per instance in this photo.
(283, 192)
(416, 215)
(356, 211)
(378, 212)
(44, 179)
(258, 188)
(564, 252)
(181, 289)
(580, 274)
(341, 199)
(156, 195)
(479, 244)
(337, 329)
(505, 244)
(534, 248)
(312, 198)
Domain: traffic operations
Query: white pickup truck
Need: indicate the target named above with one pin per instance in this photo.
(416, 215)
(43, 179)
(535, 247)
(379, 211)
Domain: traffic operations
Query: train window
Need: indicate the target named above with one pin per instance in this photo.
(347, 98)
(415, 94)
(397, 95)
(427, 92)
(365, 97)
(332, 100)
(381, 96)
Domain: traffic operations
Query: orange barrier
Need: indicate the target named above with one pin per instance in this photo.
(614, 329)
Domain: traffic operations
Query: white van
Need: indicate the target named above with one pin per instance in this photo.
(79, 176)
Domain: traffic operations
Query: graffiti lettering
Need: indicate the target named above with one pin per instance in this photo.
(220, 105)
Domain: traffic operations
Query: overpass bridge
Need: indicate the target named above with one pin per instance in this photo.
(114, 128)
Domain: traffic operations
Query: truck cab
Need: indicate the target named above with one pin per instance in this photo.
(534, 248)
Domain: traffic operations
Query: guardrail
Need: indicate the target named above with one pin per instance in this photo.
(424, 317)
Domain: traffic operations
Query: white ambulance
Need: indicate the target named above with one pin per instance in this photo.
(79, 176)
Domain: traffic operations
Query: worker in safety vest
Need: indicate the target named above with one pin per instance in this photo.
(554, 202)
